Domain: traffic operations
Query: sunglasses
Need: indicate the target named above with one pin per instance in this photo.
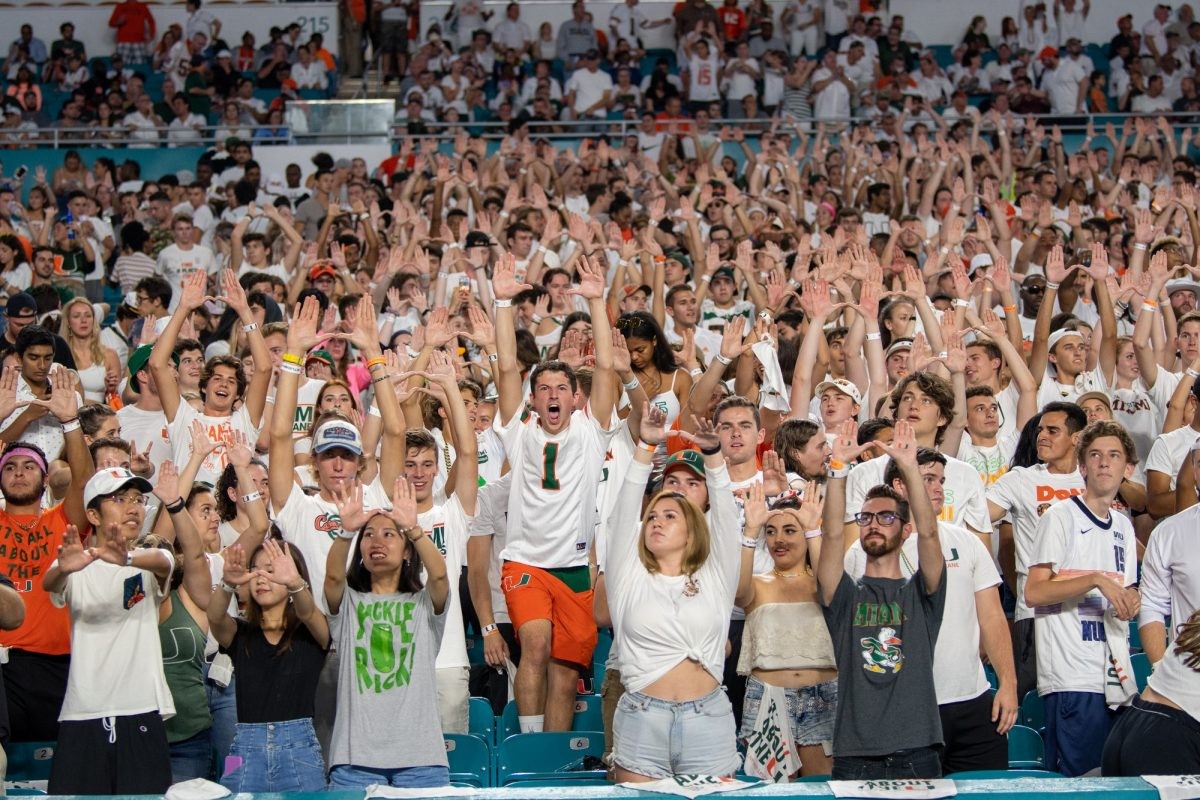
(1033, 289)
(864, 518)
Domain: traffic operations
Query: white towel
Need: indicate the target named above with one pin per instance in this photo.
(1120, 685)
(774, 390)
(394, 793)
(196, 789)
(771, 752)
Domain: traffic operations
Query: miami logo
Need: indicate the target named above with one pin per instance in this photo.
(883, 653)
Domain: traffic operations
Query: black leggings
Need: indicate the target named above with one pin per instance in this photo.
(1152, 739)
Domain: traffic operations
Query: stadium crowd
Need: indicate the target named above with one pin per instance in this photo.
(817, 417)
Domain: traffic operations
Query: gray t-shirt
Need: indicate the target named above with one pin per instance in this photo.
(386, 683)
(884, 631)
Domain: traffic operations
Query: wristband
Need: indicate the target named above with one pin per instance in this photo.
(1036, 233)
(493, 357)
(537, 319)
(346, 534)
(498, 303)
(649, 448)
(175, 507)
(70, 425)
(250, 498)
(289, 358)
(815, 533)
(1051, 285)
(749, 544)
(488, 630)
(723, 359)
(837, 473)
(710, 452)
(1141, 246)
(303, 586)
(944, 250)
(291, 369)
(1150, 305)
(1191, 373)
(706, 278)
(1010, 309)
(228, 588)
(253, 326)
(696, 373)
(960, 303)
(377, 361)
(633, 384)
(129, 559)
(834, 464)
(503, 215)
(873, 337)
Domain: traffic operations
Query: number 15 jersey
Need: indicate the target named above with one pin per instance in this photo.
(555, 489)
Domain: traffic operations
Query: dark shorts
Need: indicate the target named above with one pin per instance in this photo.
(393, 36)
(34, 685)
(1077, 723)
(113, 755)
(1152, 739)
(972, 742)
(920, 762)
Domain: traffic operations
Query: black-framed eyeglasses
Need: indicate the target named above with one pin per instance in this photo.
(865, 518)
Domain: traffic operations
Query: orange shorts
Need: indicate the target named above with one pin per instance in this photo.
(533, 593)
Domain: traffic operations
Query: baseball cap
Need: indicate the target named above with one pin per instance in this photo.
(1102, 396)
(342, 163)
(842, 385)
(980, 260)
(897, 346)
(112, 480)
(685, 459)
(478, 239)
(137, 362)
(724, 272)
(1058, 336)
(337, 433)
(321, 270)
(224, 54)
(1048, 52)
(320, 355)
(21, 304)
(644, 289)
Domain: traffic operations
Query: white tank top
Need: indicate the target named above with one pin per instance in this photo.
(92, 379)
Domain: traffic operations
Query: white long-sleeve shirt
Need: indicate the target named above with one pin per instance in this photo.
(656, 625)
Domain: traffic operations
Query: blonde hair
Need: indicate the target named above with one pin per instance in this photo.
(696, 552)
(93, 342)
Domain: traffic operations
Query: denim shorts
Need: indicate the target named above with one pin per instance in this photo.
(661, 738)
(275, 757)
(348, 776)
(810, 709)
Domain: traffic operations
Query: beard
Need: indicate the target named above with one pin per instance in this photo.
(26, 499)
(876, 547)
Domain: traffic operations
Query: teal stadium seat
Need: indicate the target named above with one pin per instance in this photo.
(470, 760)
(1141, 669)
(1025, 748)
(589, 716)
(29, 761)
(481, 721)
(548, 756)
(1033, 711)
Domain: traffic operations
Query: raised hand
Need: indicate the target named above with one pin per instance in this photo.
(774, 473)
(755, 506)
(166, 487)
(654, 424)
(8, 392)
(303, 334)
(811, 505)
(1056, 271)
(349, 502)
(732, 344)
(845, 444)
(194, 292)
(591, 279)
(705, 436)
(504, 280)
(903, 447)
(63, 403)
(72, 556)
(235, 296)
(282, 569)
(201, 443)
(239, 449)
(483, 332)
(112, 548)
(404, 509)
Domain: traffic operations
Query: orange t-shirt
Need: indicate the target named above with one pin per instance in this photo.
(27, 550)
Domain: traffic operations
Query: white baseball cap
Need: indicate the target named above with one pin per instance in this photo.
(1058, 336)
(112, 480)
(842, 385)
(337, 433)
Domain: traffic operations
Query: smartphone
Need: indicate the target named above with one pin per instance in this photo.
(20, 172)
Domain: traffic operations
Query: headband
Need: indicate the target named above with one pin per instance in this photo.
(28, 452)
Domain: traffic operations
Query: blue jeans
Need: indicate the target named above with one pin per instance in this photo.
(192, 758)
(222, 704)
(275, 757)
(348, 776)
(661, 738)
(920, 762)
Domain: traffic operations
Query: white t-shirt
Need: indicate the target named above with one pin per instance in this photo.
(832, 102)
(1170, 584)
(114, 635)
(1027, 493)
(218, 429)
(447, 525)
(964, 504)
(589, 88)
(957, 671)
(491, 519)
(552, 508)
(305, 413)
(1169, 452)
(177, 265)
(1142, 411)
(1051, 391)
(991, 461)
(311, 524)
(1072, 655)
(141, 428)
(702, 78)
(741, 83)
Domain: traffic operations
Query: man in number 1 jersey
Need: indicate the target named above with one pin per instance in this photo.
(557, 457)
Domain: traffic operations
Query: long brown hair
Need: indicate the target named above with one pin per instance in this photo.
(290, 620)
(1187, 641)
